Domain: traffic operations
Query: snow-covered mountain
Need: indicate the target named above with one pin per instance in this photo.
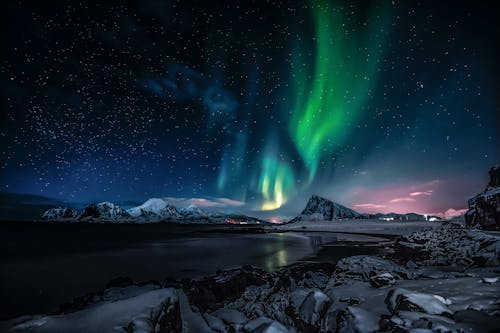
(104, 211)
(59, 214)
(319, 208)
(155, 209)
(324, 209)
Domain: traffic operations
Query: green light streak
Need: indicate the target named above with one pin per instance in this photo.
(276, 181)
(345, 70)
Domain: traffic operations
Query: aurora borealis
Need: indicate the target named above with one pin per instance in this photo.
(258, 104)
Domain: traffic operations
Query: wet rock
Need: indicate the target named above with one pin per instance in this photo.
(365, 267)
(350, 320)
(450, 245)
(382, 280)
(211, 292)
(230, 316)
(398, 300)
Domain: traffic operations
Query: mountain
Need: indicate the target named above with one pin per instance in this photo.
(319, 208)
(104, 211)
(193, 212)
(59, 214)
(484, 208)
(155, 209)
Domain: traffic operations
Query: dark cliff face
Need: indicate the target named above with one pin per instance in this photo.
(327, 208)
(484, 208)
(319, 205)
(494, 176)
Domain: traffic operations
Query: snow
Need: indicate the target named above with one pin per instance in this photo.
(154, 205)
(369, 227)
(106, 317)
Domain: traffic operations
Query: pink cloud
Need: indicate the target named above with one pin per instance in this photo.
(395, 200)
(451, 212)
(231, 202)
(369, 206)
(414, 194)
(417, 197)
(205, 203)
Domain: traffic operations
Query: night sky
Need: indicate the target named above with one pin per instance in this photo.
(250, 106)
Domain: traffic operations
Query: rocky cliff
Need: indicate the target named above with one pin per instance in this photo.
(484, 208)
(319, 208)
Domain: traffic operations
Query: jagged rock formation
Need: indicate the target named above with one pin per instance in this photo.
(59, 214)
(484, 208)
(319, 208)
(451, 245)
(104, 211)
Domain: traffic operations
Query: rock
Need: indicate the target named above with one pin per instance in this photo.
(398, 300)
(148, 312)
(365, 267)
(314, 307)
(211, 292)
(448, 245)
(350, 320)
(230, 316)
(59, 214)
(382, 280)
(489, 280)
(484, 208)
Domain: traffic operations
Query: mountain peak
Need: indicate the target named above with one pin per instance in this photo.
(321, 208)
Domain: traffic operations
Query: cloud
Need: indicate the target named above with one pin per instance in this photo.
(404, 199)
(370, 206)
(451, 212)
(205, 203)
(414, 194)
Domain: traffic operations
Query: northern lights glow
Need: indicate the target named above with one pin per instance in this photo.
(329, 103)
(276, 181)
(264, 102)
(345, 69)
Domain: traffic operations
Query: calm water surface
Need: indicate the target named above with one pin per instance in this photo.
(45, 265)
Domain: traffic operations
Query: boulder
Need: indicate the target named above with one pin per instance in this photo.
(366, 267)
(398, 300)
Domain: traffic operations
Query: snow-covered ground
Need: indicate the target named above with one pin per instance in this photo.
(358, 226)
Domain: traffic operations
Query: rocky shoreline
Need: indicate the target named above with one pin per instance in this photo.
(440, 280)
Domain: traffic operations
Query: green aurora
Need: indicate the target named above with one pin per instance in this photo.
(329, 103)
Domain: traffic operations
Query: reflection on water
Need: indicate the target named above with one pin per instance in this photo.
(279, 255)
(52, 268)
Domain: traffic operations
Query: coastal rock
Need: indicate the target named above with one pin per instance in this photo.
(405, 300)
(382, 280)
(449, 245)
(148, 312)
(484, 208)
(211, 292)
(59, 214)
(364, 268)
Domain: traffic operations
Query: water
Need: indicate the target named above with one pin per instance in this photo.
(45, 265)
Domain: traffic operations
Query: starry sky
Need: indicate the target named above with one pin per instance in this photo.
(250, 105)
